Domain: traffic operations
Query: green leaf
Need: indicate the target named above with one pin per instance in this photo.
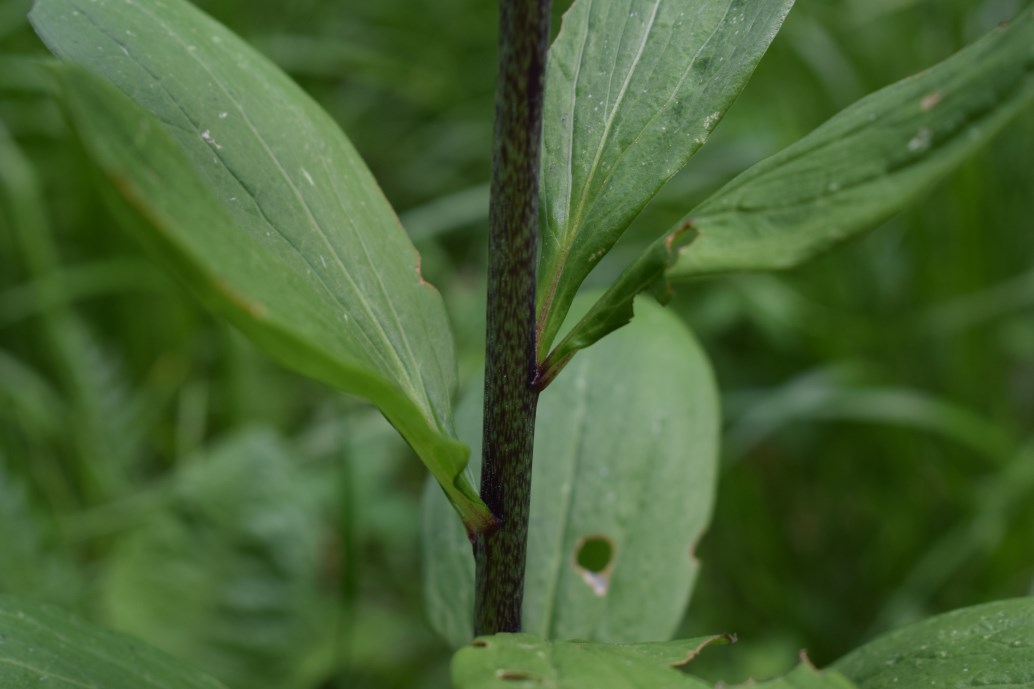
(986, 645)
(804, 676)
(525, 660)
(41, 645)
(634, 88)
(867, 162)
(625, 456)
(240, 182)
(227, 574)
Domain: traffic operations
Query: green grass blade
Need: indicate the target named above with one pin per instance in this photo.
(867, 162)
(262, 206)
(634, 88)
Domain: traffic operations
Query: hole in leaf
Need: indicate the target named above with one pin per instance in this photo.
(594, 560)
(595, 553)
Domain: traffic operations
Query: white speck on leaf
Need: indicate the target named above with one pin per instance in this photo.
(223, 115)
(308, 177)
(207, 137)
(930, 101)
(711, 120)
(921, 141)
(597, 582)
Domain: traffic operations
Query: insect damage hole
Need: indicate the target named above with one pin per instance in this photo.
(594, 561)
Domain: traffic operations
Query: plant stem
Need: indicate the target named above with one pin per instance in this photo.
(510, 396)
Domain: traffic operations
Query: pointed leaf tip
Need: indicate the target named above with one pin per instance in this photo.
(250, 193)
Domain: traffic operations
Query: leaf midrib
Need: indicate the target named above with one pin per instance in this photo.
(577, 218)
(215, 152)
(671, 98)
(946, 139)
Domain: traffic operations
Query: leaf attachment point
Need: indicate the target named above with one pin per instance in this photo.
(615, 308)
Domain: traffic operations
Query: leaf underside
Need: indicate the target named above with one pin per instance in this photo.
(634, 88)
(867, 162)
(249, 192)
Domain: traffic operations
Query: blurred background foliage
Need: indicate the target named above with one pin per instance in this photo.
(159, 475)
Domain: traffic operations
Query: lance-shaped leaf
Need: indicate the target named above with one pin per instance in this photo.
(251, 193)
(43, 646)
(625, 452)
(987, 645)
(867, 162)
(634, 88)
(508, 660)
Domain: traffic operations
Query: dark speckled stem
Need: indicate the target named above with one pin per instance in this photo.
(510, 396)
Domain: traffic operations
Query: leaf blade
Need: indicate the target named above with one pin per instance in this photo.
(43, 643)
(867, 162)
(497, 661)
(645, 393)
(274, 216)
(612, 138)
(991, 644)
